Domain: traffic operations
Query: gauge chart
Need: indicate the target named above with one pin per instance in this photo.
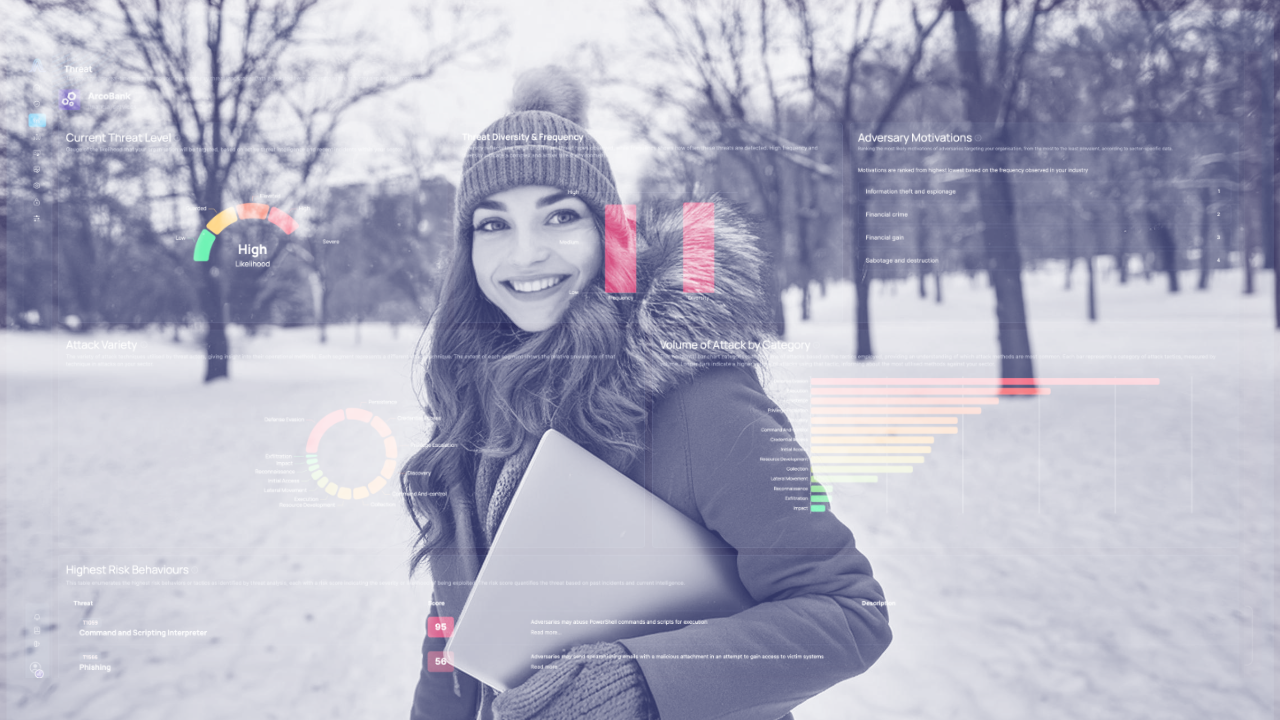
(244, 211)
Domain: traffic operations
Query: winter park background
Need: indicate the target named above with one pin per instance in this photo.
(1101, 551)
(1082, 585)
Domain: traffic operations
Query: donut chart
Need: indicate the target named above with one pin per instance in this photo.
(358, 492)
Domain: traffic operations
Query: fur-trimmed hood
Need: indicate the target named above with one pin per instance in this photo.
(672, 334)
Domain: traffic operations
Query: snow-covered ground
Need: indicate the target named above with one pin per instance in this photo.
(1097, 553)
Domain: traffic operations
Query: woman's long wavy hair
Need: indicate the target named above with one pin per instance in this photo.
(490, 387)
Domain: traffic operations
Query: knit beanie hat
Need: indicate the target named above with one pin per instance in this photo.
(542, 142)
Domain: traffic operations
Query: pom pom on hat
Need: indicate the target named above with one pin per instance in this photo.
(552, 89)
(542, 141)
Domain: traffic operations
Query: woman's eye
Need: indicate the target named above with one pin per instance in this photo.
(560, 217)
(491, 225)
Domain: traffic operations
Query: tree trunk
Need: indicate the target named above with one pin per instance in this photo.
(922, 249)
(1206, 248)
(1246, 254)
(1004, 266)
(861, 283)
(855, 205)
(1093, 301)
(1122, 249)
(1071, 253)
(773, 284)
(1000, 236)
(324, 313)
(216, 348)
(1163, 243)
(806, 212)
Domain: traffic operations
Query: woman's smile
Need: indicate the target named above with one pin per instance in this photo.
(533, 286)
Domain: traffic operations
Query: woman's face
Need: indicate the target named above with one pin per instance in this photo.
(533, 249)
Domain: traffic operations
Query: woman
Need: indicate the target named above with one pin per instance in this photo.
(527, 339)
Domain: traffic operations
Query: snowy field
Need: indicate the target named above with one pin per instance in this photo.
(1101, 552)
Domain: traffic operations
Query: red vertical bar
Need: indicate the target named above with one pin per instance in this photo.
(699, 247)
(620, 248)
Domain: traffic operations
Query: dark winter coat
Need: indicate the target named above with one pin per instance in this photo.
(712, 440)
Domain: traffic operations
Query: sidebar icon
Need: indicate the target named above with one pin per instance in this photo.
(35, 655)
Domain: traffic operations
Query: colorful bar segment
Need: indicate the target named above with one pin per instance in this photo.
(381, 426)
(620, 248)
(872, 440)
(830, 475)
(252, 211)
(874, 449)
(317, 432)
(820, 398)
(885, 420)
(986, 381)
(890, 430)
(282, 220)
(827, 411)
(844, 392)
(204, 244)
(699, 247)
(219, 222)
(820, 460)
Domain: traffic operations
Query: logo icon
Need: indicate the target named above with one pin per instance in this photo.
(35, 120)
(70, 100)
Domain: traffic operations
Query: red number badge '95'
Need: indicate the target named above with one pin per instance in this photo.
(440, 627)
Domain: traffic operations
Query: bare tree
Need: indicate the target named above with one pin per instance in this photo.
(725, 47)
(842, 102)
(212, 88)
(989, 98)
(215, 71)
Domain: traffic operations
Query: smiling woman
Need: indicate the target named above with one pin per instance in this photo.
(663, 388)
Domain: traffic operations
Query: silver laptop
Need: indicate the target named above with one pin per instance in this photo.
(586, 555)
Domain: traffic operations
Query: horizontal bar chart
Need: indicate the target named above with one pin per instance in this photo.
(864, 428)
